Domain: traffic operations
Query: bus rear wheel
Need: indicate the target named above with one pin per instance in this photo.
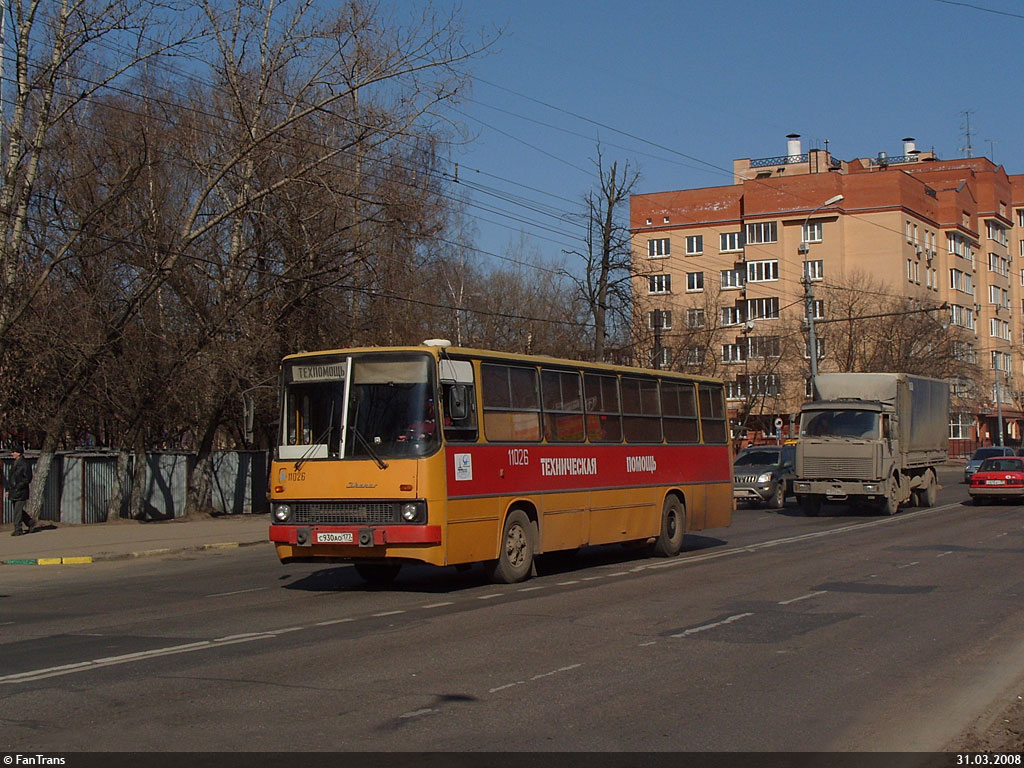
(673, 524)
(515, 557)
(378, 573)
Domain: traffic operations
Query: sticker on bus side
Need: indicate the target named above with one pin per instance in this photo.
(463, 466)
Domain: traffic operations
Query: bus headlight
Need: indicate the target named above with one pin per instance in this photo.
(411, 512)
(282, 512)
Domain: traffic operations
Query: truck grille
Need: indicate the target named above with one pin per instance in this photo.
(745, 479)
(853, 468)
(340, 513)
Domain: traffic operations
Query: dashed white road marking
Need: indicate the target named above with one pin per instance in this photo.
(808, 596)
(706, 627)
(238, 592)
(541, 676)
(387, 613)
(488, 597)
(108, 661)
(943, 554)
(438, 605)
(333, 621)
(418, 713)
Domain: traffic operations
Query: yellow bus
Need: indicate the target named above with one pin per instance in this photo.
(450, 456)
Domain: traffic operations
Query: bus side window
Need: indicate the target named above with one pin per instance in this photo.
(459, 411)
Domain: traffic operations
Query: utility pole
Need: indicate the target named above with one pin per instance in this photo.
(804, 250)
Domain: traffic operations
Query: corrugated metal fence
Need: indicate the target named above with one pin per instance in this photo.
(80, 485)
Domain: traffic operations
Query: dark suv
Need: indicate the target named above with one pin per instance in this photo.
(763, 474)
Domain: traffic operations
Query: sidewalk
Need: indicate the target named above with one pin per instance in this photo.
(124, 540)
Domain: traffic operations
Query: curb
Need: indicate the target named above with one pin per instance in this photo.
(82, 560)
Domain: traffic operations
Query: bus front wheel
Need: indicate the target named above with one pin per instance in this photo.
(673, 524)
(515, 558)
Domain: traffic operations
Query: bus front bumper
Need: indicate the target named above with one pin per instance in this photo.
(355, 535)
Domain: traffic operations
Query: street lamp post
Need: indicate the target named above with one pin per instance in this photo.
(804, 249)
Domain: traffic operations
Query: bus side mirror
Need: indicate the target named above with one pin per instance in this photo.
(457, 402)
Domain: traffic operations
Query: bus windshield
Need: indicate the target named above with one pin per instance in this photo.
(389, 411)
(840, 423)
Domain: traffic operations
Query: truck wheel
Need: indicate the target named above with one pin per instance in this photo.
(890, 504)
(515, 558)
(778, 499)
(673, 525)
(928, 496)
(811, 505)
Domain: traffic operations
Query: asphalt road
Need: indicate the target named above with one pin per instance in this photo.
(836, 633)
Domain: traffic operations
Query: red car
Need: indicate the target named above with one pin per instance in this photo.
(998, 478)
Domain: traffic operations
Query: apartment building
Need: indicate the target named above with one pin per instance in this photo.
(905, 254)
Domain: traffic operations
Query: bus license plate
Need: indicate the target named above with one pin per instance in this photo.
(335, 538)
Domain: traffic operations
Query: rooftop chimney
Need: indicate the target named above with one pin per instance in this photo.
(793, 145)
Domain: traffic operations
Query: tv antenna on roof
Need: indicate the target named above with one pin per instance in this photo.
(967, 149)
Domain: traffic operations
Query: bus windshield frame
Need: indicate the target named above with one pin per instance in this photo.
(366, 407)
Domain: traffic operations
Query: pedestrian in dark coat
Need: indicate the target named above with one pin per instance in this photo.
(19, 481)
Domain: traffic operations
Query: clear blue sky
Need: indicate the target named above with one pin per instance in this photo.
(680, 89)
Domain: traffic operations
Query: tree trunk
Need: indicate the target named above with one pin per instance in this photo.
(116, 502)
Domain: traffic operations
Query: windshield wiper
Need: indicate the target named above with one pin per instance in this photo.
(373, 454)
(319, 440)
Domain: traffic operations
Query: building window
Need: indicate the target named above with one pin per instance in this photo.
(997, 232)
(812, 232)
(762, 271)
(960, 426)
(695, 318)
(997, 263)
(658, 249)
(1020, 217)
(818, 309)
(961, 316)
(694, 356)
(694, 245)
(694, 282)
(663, 358)
(763, 384)
(820, 344)
(665, 316)
(914, 271)
(659, 284)
(998, 329)
(814, 270)
(964, 282)
(732, 278)
(965, 352)
(730, 241)
(762, 232)
(763, 347)
(733, 353)
(732, 316)
(763, 308)
(999, 296)
(1000, 362)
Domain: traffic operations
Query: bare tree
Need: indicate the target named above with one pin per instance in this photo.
(606, 282)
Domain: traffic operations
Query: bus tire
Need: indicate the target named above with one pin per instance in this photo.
(673, 525)
(515, 556)
(378, 573)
